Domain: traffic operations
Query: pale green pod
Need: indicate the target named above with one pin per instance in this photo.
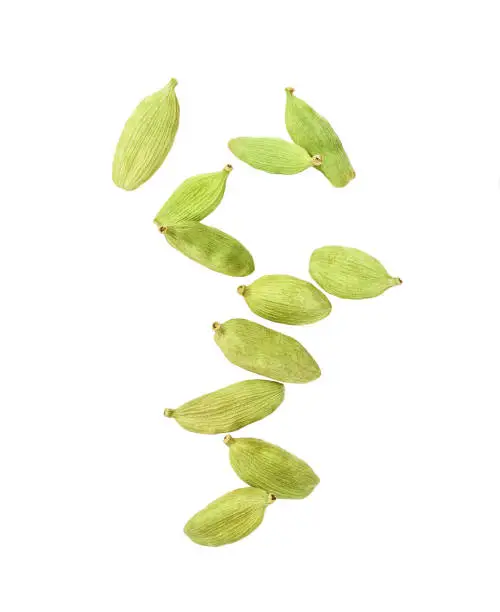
(147, 138)
(273, 155)
(310, 130)
(307, 128)
(229, 518)
(210, 247)
(230, 408)
(195, 198)
(264, 351)
(349, 273)
(337, 169)
(286, 299)
(271, 468)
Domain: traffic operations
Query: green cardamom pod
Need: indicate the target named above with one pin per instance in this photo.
(264, 351)
(269, 467)
(147, 138)
(230, 408)
(210, 247)
(310, 130)
(286, 299)
(229, 518)
(337, 169)
(195, 198)
(273, 155)
(349, 273)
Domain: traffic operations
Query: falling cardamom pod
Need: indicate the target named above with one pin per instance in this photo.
(273, 155)
(195, 198)
(286, 299)
(269, 467)
(264, 351)
(210, 247)
(337, 169)
(349, 273)
(310, 130)
(146, 138)
(229, 518)
(230, 408)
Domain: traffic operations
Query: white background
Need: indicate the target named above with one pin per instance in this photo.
(103, 325)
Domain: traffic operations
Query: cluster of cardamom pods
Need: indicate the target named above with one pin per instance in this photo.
(269, 471)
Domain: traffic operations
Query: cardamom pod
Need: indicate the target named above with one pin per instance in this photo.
(210, 247)
(230, 408)
(337, 169)
(349, 273)
(264, 351)
(269, 467)
(286, 299)
(229, 518)
(147, 138)
(195, 198)
(273, 155)
(310, 130)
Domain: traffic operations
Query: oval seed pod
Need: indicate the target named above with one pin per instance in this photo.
(147, 138)
(230, 408)
(273, 155)
(349, 273)
(264, 351)
(229, 518)
(286, 299)
(210, 247)
(195, 198)
(310, 130)
(337, 169)
(307, 128)
(269, 467)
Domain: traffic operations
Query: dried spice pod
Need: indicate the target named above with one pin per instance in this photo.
(147, 138)
(269, 467)
(286, 299)
(195, 198)
(337, 169)
(210, 247)
(264, 351)
(310, 130)
(230, 408)
(273, 155)
(349, 273)
(229, 518)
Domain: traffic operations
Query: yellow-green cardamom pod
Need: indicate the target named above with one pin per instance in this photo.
(229, 518)
(230, 408)
(195, 198)
(349, 273)
(314, 133)
(147, 138)
(336, 169)
(286, 299)
(264, 351)
(273, 155)
(210, 247)
(269, 467)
